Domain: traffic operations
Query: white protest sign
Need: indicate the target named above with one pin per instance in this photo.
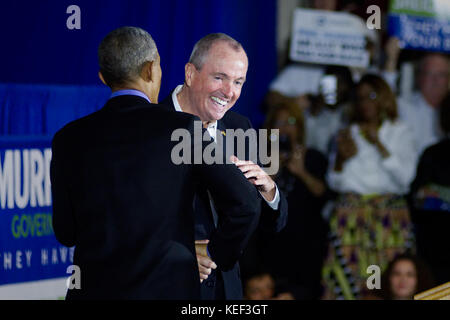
(335, 38)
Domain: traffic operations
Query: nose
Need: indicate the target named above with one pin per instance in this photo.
(227, 89)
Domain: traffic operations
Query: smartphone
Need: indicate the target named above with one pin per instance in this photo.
(328, 89)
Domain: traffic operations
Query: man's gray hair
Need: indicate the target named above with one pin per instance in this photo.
(123, 53)
(201, 48)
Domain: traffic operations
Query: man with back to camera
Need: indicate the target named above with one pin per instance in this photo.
(214, 77)
(119, 198)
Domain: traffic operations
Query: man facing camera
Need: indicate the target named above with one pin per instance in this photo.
(122, 202)
(214, 77)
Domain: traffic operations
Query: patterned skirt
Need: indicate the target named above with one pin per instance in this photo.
(364, 231)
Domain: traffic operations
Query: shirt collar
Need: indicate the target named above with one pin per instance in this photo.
(131, 92)
(175, 99)
(175, 92)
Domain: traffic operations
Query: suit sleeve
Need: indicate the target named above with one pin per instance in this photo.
(238, 205)
(272, 221)
(63, 219)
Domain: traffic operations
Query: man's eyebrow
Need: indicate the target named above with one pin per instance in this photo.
(226, 76)
(221, 74)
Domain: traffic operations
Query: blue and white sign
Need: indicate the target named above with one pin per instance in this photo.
(335, 38)
(29, 251)
(421, 24)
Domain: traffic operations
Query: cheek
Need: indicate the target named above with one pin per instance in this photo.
(212, 86)
(237, 94)
(437, 83)
(443, 83)
(394, 281)
(412, 282)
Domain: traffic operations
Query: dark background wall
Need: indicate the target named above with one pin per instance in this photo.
(40, 56)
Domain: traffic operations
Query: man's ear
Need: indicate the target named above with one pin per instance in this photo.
(101, 78)
(189, 73)
(147, 71)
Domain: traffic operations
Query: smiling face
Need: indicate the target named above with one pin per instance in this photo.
(260, 287)
(403, 280)
(215, 88)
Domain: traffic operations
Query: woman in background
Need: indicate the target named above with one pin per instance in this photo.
(404, 277)
(371, 169)
(302, 243)
(294, 257)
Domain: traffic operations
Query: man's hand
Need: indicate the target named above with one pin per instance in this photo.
(205, 264)
(257, 177)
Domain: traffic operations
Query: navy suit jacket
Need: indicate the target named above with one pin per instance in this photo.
(127, 207)
(225, 282)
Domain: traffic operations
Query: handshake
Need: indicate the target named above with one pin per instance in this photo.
(205, 264)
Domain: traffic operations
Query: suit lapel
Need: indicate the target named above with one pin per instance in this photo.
(204, 215)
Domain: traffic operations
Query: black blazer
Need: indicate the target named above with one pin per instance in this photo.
(225, 282)
(119, 198)
(431, 226)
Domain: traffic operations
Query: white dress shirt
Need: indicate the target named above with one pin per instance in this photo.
(321, 128)
(212, 130)
(423, 120)
(368, 172)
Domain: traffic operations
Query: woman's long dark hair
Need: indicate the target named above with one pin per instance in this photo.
(423, 273)
(386, 100)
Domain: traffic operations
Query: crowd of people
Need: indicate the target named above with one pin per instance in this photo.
(366, 172)
(364, 180)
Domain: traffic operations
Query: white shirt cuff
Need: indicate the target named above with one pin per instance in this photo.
(276, 200)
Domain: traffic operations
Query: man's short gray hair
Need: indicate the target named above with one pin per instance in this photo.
(123, 53)
(201, 48)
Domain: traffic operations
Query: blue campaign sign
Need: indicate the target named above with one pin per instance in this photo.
(421, 26)
(29, 250)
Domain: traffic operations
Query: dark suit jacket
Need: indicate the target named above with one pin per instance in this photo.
(431, 226)
(119, 198)
(225, 282)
